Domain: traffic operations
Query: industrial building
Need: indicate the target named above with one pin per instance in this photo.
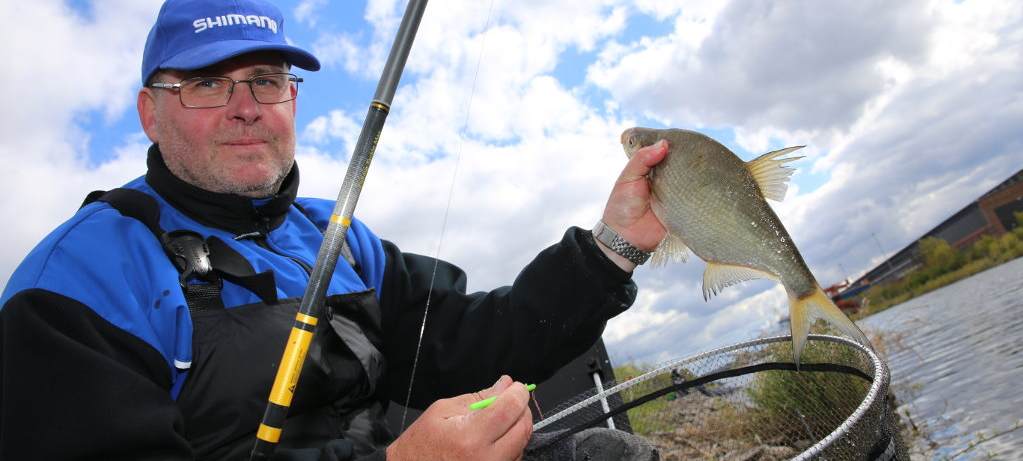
(991, 214)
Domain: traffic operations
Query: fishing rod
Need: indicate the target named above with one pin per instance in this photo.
(283, 390)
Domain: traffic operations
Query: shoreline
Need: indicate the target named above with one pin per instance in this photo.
(942, 265)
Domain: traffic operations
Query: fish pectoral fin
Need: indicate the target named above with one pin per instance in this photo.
(718, 276)
(771, 174)
(671, 249)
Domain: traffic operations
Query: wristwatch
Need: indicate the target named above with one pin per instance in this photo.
(617, 244)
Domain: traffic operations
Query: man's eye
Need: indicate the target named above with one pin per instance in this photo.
(207, 83)
(269, 82)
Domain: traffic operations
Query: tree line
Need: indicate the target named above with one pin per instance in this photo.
(942, 264)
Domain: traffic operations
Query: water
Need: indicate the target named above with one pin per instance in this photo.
(956, 364)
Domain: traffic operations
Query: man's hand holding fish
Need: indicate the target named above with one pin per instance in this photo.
(628, 212)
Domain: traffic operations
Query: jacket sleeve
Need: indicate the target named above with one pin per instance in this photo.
(74, 386)
(555, 310)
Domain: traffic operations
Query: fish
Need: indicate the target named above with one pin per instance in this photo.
(715, 205)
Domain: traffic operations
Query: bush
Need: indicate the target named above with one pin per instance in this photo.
(982, 247)
(1010, 245)
(939, 257)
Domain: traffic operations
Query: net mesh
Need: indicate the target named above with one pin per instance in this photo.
(748, 401)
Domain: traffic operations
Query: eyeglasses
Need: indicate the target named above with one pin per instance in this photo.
(207, 92)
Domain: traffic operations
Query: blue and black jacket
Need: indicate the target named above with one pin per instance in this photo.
(101, 357)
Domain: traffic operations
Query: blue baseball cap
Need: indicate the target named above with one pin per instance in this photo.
(192, 34)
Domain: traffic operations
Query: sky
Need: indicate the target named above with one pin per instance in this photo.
(505, 128)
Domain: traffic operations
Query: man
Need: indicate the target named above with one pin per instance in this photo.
(155, 334)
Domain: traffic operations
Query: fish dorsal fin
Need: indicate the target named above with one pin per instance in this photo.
(771, 174)
(719, 276)
(671, 249)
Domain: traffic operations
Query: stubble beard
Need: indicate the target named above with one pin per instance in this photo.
(212, 176)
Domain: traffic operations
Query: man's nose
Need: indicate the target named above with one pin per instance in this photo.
(243, 105)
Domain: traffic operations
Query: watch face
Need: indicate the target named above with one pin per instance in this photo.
(605, 235)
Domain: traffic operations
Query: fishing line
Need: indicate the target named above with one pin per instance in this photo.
(447, 209)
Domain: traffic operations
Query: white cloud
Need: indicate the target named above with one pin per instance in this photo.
(72, 66)
(788, 65)
(307, 11)
(336, 125)
(340, 49)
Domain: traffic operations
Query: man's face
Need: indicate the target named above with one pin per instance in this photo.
(244, 148)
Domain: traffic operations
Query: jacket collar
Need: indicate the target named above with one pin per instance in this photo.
(233, 213)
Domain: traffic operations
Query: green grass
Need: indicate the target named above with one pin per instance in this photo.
(644, 418)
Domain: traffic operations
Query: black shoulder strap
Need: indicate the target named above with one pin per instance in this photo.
(131, 203)
(187, 250)
(206, 259)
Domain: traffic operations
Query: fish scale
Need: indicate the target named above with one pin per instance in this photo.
(714, 204)
(709, 199)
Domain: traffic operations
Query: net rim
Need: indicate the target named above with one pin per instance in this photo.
(879, 374)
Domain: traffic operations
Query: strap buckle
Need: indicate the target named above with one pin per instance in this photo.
(190, 254)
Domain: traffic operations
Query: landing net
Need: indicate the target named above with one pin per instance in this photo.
(748, 401)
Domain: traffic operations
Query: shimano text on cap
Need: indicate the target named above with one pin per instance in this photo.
(192, 34)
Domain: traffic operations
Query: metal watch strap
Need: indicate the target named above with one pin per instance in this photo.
(606, 235)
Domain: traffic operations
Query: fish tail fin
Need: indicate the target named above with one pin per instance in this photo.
(799, 323)
(804, 311)
(671, 249)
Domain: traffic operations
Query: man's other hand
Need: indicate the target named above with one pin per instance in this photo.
(448, 430)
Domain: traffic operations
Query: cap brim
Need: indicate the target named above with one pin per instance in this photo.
(212, 53)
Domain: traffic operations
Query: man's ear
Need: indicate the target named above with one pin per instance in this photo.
(147, 113)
